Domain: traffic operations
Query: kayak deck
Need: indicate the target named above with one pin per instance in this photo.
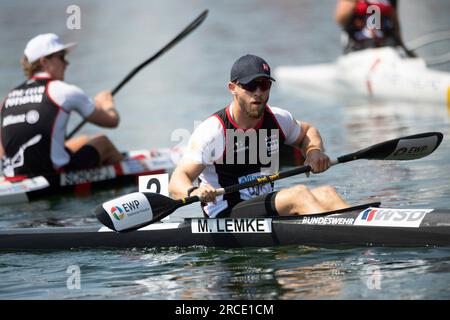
(136, 163)
(357, 226)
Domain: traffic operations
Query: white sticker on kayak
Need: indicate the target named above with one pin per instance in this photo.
(27, 185)
(384, 217)
(156, 183)
(413, 148)
(129, 211)
(72, 178)
(232, 225)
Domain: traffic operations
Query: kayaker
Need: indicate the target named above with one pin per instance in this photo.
(213, 154)
(358, 21)
(34, 117)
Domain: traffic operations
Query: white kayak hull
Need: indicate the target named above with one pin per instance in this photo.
(373, 73)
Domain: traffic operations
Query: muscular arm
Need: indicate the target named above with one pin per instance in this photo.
(101, 112)
(344, 11)
(182, 178)
(309, 139)
(105, 113)
(310, 143)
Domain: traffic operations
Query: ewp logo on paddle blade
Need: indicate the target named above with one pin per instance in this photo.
(117, 212)
(135, 206)
(409, 149)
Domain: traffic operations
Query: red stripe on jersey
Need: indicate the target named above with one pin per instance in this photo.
(258, 125)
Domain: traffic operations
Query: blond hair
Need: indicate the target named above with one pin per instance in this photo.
(29, 69)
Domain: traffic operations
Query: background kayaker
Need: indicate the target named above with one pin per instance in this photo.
(208, 151)
(34, 117)
(357, 23)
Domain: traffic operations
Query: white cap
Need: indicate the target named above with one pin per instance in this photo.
(44, 45)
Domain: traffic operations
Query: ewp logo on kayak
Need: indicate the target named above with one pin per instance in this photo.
(384, 217)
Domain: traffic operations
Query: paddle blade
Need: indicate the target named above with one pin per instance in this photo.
(134, 210)
(407, 148)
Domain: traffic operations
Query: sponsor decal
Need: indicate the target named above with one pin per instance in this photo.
(129, 211)
(17, 160)
(328, 220)
(5, 188)
(36, 183)
(117, 212)
(31, 117)
(232, 225)
(86, 176)
(384, 217)
(23, 186)
(19, 188)
(11, 119)
(256, 190)
(20, 96)
(272, 144)
(132, 166)
(163, 163)
(413, 148)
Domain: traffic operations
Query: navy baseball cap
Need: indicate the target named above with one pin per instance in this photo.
(249, 67)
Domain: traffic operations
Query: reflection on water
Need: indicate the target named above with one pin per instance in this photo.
(204, 273)
(372, 122)
(320, 281)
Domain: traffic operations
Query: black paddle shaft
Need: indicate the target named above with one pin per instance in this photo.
(420, 145)
(163, 206)
(133, 72)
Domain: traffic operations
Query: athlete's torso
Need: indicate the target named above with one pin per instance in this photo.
(370, 28)
(34, 118)
(241, 155)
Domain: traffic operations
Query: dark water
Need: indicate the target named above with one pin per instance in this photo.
(186, 85)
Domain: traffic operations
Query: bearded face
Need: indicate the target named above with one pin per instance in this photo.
(253, 97)
(253, 108)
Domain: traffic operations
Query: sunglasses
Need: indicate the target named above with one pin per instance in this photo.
(264, 85)
(60, 56)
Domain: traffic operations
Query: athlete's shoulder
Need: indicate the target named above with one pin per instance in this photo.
(65, 87)
(211, 126)
(70, 97)
(278, 111)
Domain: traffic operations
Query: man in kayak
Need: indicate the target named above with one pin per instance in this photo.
(34, 117)
(359, 21)
(215, 149)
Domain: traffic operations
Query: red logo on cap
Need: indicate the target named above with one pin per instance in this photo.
(265, 67)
